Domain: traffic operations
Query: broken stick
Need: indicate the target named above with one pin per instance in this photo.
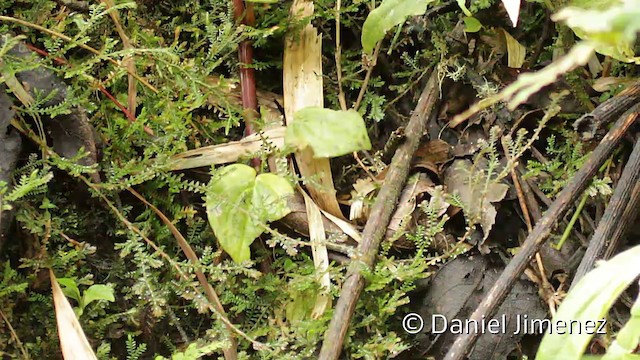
(376, 226)
(620, 213)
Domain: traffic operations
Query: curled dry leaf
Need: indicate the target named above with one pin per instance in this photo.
(469, 184)
(400, 222)
(431, 154)
(359, 206)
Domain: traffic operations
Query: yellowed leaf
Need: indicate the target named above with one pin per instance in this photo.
(515, 51)
(345, 226)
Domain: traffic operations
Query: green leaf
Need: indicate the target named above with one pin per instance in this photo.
(389, 14)
(612, 29)
(591, 299)
(472, 24)
(70, 288)
(300, 306)
(239, 205)
(628, 337)
(463, 7)
(328, 132)
(98, 292)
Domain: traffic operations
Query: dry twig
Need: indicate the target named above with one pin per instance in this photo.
(376, 226)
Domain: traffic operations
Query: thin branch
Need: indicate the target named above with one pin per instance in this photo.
(376, 226)
(620, 213)
(367, 77)
(338, 57)
(128, 60)
(15, 337)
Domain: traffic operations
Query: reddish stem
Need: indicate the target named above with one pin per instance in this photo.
(245, 15)
(61, 61)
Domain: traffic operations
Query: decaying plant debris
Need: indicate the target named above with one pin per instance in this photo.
(258, 180)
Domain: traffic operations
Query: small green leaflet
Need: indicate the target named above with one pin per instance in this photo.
(98, 292)
(390, 13)
(239, 205)
(471, 24)
(329, 133)
(70, 289)
(590, 299)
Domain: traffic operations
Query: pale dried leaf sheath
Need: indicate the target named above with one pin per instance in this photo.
(228, 152)
(320, 254)
(302, 78)
(73, 342)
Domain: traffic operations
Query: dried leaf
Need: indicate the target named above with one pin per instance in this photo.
(431, 154)
(468, 183)
(320, 255)
(515, 51)
(231, 151)
(359, 209)
(302, 83)
(73, 342)
(417, 185)
(608, 83)
(345, 226)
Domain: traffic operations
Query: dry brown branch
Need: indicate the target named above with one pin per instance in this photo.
(376, 226)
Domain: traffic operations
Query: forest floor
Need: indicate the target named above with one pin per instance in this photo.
(292, 180)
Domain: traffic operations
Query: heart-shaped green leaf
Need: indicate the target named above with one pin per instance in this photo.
(389, 14)
(328, 132)
(239, 205)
